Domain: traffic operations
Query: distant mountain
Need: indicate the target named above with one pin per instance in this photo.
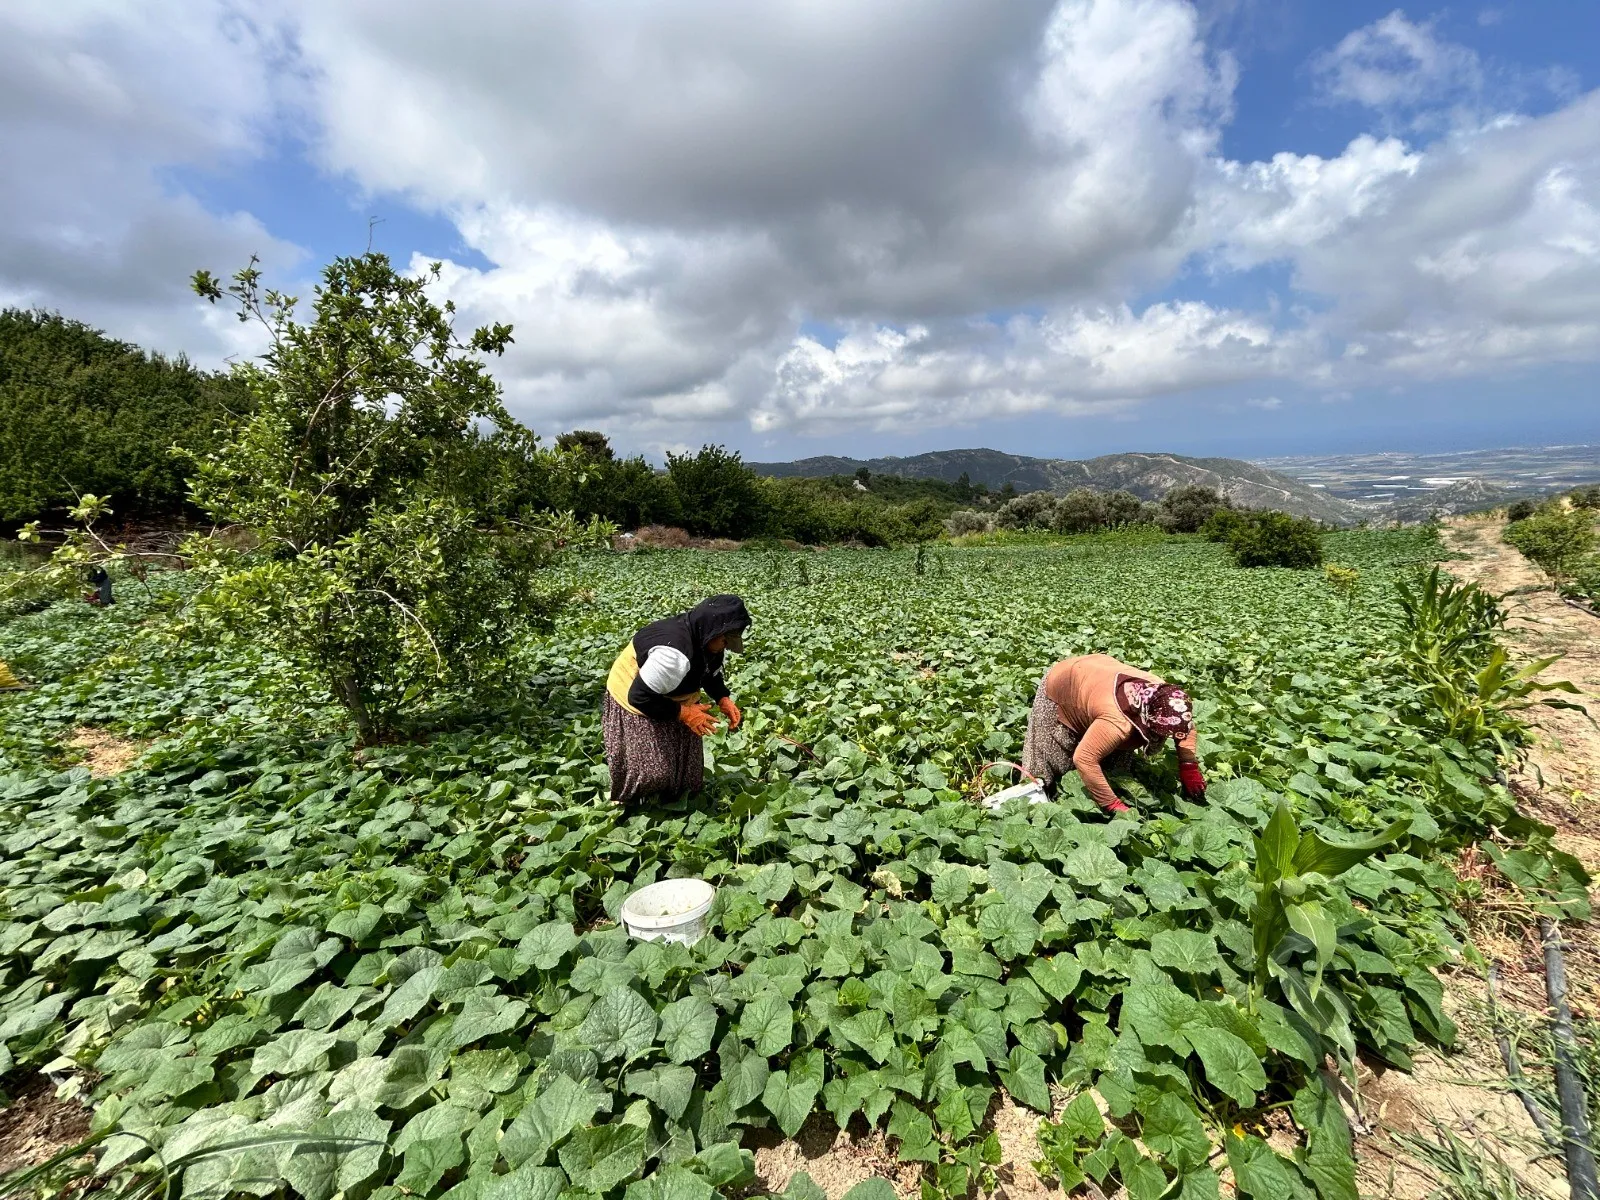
(1148, 476)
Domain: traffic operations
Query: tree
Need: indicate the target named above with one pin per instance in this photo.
(1081, 510)
(587, 443)
(721, 497)
(1123, 508)
(1556, 540)
(1275, 539)
(82, 413)
(1035, 510)
(1185, 509)
(377, 557)
(1521, 510)
(863, 476)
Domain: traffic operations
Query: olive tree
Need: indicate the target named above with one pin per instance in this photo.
(358, 536)
(1081, 510)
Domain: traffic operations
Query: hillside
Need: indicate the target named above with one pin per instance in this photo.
(1148, 476)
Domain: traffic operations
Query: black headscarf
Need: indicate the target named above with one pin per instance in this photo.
(715, 616)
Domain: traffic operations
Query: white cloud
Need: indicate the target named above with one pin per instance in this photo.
(99, 101)
(977, 196)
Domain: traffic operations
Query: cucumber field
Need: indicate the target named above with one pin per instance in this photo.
(279, 964)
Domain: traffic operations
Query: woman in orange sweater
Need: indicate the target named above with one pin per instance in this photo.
(1092, 711)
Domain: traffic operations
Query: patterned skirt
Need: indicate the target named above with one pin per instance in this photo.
(1048, 746)
(649, 757)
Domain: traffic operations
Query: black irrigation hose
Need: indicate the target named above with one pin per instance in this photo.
(1581, 1173)
(1508, 1055)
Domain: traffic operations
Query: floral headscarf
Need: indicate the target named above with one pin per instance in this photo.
(1164, 709)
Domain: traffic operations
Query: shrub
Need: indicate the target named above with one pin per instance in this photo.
(1585, 497)
(1521, 510)
(1035, 510)
(719, 494)
(661, 537)
(965, 520)
(1223, 523)
(1080, 511)
(1186, 509)
(1556, 540)
(1274, 539)
(1124, 508)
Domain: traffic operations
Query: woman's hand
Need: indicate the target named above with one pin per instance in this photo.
(731, 711)
(1191, 781)
(697, 717)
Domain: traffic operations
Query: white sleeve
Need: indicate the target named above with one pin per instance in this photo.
(663, 669)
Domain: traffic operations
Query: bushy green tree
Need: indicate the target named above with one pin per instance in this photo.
(83, 413)
(1081, 510)
(374, 553)
(1033, 510)
(1275, 539)
(1185, 509)
(1556, 539)
(1521, 510)
(587, 443)
(720, 496)
(1123, 508)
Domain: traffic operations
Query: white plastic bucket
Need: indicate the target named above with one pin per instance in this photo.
(673, 910)
(1032, 792)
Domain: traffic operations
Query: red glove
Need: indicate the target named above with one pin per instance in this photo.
(697, 717)
(1116, 806)
(731, 711)
(1191, 781)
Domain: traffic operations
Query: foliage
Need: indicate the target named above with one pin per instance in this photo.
(372, 555)
(1223, 524)
(1342, 579)
(1035, 510)
(967, 521)
(1556, 540)
(1453, 652)
(1274, 539)
(719, 494)
(1585, 497)
(1521, 510)
(589, 444)
(1081, 510)
(255, 930)
(83, 413)
(1187, 508)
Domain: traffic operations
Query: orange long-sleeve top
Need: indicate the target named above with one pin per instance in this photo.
(1085, 690)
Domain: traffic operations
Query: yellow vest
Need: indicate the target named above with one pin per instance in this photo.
(623, 672)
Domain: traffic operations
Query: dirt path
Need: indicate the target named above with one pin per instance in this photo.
(1560, 783)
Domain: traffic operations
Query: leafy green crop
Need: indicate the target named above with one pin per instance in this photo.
(255, 930)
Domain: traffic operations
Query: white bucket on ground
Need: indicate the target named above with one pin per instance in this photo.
(673, 910)
(1032, 792)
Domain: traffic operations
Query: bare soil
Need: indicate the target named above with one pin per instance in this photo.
(36, 1126)
(102, 752)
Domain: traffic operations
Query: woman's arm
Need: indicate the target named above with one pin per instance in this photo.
(1100, 740)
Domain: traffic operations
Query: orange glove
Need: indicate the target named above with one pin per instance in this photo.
(731, 711)
(697, 717)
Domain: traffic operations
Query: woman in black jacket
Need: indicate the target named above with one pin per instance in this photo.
(652, 715)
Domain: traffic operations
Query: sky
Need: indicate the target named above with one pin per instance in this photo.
(861, 227)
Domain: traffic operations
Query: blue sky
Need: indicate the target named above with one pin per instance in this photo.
(1050, 226)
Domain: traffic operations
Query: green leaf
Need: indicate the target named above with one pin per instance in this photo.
(1095, 865)
(870, 1030)
(766, 1023)
(1230, 1066)
(744, 1071)
(600, 1157)
(1327, 1158)
(1186, 950)
(1261, 1173)
(1173, 1130)
(872, 1189)
(789, 1095)
(687, 1027)
(620, 1025)
(673, 1183)
(1011, 932)
(426, 1162)
(1315, 854)
(293, 1053)
(1081, 1120)
(1057, 975)
(545, 946)
(1023, 1076)
(563, 1106)
(668, 1088)
(1276, 845)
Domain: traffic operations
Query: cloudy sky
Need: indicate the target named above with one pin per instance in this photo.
(863, 226)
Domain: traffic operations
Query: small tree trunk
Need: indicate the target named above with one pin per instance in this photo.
(350, 696)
